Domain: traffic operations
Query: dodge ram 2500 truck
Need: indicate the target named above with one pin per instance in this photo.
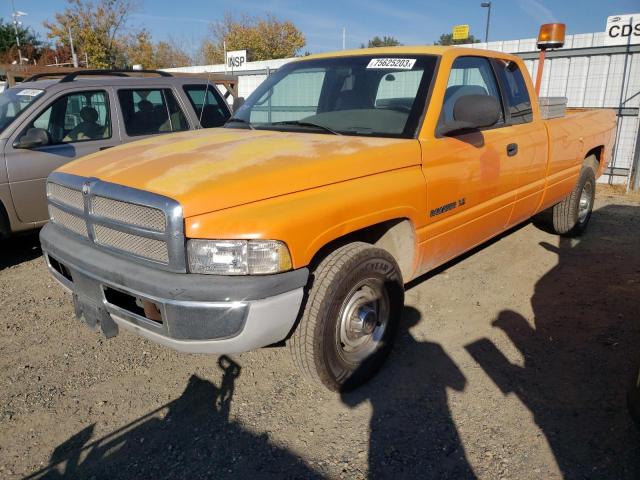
(342, 177)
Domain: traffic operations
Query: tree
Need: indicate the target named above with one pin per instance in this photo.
(96, 28)
(263, 38)
(29, 42)
(140, 49)
(447, 39)
(382, 42)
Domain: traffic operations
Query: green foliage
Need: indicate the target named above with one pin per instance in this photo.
(447, 39)
(382, 42)
(29, 42)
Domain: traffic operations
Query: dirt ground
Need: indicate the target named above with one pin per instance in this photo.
(513, 362)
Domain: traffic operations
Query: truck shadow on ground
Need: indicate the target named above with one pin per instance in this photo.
(190, 437)
(19, 248)
(412, 433)
(581, 348)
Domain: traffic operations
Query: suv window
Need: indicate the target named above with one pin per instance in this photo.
(470, 76)
(210, 109)
(76, 117)
(148, 111)
(516, 91)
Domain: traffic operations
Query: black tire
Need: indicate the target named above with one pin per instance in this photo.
(569, 218)
(5, 228)
(350, 275)
(633, 401)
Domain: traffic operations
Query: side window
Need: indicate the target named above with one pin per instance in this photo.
(151, 110)
(208, 105)
(294, 98)
(77, 117)
(515, 88)
(470, 76)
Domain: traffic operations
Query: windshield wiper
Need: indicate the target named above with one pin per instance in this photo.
(300, 123)
(241, 120)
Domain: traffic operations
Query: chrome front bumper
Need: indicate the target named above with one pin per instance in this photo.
(187, 312)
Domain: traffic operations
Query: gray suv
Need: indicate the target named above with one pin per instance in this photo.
(45, 123)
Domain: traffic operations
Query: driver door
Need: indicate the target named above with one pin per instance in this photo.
(77, 124)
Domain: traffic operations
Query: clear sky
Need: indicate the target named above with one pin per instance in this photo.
(410, 21)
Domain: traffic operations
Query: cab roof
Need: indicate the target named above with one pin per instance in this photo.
(410, 50)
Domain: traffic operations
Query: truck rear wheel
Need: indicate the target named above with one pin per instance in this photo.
(572, 215)
(350, 318)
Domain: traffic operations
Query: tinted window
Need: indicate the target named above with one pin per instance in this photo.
(77, 117)
(469, 76)
(209, 108)
(150, 111)
(515, 90)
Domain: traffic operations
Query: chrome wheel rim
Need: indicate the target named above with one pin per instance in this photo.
(584, 205)
(364, 317)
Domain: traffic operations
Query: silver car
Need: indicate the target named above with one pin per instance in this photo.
(45, 123)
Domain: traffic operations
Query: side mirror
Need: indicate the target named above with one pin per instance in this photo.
(237, 103)
(35, 137)
(472, 112)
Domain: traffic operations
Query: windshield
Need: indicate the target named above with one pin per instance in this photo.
(13, 101)
(373, 95)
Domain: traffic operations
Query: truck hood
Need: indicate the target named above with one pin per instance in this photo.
(209, 170)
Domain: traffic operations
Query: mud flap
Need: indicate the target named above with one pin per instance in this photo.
(94, 316)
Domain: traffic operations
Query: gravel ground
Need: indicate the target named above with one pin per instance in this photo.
(512, 363)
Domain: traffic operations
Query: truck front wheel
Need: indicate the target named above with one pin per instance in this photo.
(571, 216)
(350, 318)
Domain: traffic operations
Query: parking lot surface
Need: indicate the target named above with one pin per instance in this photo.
(513, 362)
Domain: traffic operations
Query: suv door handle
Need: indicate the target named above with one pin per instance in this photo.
(104, 148)
(512, 149)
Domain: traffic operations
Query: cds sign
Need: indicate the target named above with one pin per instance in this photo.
(622, 30)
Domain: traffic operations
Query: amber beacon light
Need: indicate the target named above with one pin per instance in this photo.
(551, 35)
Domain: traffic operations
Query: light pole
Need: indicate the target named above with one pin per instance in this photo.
(17, 14)
(487, 5)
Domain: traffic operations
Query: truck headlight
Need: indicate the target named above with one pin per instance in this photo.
(238, 257)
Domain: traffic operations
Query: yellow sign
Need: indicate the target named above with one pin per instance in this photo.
(461, 32)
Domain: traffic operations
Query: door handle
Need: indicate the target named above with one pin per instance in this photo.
(104, 148)
(512, 149)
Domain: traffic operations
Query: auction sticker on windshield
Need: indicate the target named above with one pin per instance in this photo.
(30, 92)
(395, 63)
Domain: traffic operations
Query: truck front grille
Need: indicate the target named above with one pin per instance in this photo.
(140, 246)
(72, 222)
(138, 215)
(124, 220)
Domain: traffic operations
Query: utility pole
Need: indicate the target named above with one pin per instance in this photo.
(344, 38)
(17, 14)
(74, 57)
(487, 5)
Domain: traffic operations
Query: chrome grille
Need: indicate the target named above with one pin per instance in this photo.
(141, 246)
(130, 213)
(145, 226)
(72, 222)
(65, 195)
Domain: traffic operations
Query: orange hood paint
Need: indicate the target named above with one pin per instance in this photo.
(210, 170)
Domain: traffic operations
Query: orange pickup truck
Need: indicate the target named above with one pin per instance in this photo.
(340, 179)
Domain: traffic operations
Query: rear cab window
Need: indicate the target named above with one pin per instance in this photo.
(209, 106)
(515, 91)
(149, 111)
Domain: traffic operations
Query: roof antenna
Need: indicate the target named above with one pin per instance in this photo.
(206, 96)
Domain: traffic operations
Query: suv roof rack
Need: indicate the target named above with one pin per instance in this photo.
(70, 77)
